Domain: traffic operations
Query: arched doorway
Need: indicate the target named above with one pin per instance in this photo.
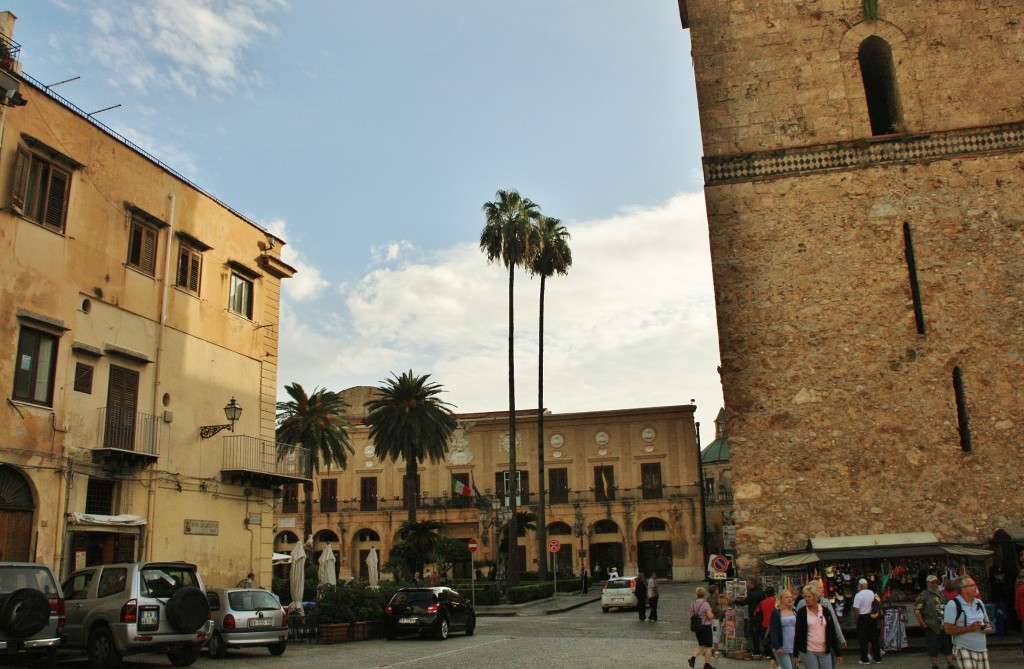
(654, 548)
(365, 540)
(17, 507)
(605, 549)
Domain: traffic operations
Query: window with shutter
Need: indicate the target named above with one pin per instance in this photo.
(190, 264)
(83, 378)
(35, 367)
(40, 190)
(142, 246)
(240, 296)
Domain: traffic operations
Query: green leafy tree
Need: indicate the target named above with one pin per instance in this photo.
(316, 423)
(447, 551)
(508, 238)
(407, 420)
(552, 256)
(521, 523)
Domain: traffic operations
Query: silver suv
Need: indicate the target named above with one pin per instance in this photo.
(31, 613)
(137, 607)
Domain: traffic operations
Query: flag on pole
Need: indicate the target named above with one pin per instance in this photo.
(472, 481)
(460, 488)
(604, 480)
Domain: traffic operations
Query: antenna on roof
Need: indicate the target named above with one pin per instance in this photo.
(100, 111)
(62, 82)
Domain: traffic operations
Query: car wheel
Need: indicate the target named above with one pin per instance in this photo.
(24, 612)
(188, 609)
(217, 647)
(390, 635)
(441, 632)
(185, 657)
(605, 609)
(102, 651)
(278, 648)
(471, 625)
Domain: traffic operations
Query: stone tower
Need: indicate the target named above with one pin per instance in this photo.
(864, 177)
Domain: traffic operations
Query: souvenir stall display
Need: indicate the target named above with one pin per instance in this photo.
(733, 617)
(897, 579)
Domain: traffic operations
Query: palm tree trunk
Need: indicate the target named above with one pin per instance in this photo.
(411, 489)
(542, 539)
(513, 530)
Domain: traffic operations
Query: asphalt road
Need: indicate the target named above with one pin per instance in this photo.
(580, 638)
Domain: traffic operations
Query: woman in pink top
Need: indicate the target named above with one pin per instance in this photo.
(815, 642)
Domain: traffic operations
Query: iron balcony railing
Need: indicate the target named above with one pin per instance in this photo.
(573, 497)
(9, 52)
(252, 454)
(125, 430)
(718, 498)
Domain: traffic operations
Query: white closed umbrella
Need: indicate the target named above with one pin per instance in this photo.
(325, 572)
(298, 576)
(371, 568)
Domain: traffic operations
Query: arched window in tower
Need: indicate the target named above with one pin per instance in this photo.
(879, 76)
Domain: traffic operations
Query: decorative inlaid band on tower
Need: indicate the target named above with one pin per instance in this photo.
(908, 148)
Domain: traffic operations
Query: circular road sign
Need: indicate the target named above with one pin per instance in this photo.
(554, 546)
(471, 545)
(720, 563)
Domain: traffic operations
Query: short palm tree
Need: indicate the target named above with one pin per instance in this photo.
(317, 423)
(508, 237)
(552, 256)
(526, 521)
(407, 420)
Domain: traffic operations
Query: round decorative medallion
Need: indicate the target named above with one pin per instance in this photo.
(368, 464)
(601, 438)
(557, 440)
(503, 441)
(368, 450)
(649, 448)
(556, 454)
(602, 451)
(647, 434)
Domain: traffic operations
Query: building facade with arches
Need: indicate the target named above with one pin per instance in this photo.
(621, 485)
(864, 189)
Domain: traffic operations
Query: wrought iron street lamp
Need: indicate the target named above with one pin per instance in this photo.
(232, 411)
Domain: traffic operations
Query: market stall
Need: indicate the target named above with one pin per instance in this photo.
(895, 565)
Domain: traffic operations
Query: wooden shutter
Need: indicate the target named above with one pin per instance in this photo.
(194, 267)
(183, 258)
(122, 403)
(57, 198)
(20, 187)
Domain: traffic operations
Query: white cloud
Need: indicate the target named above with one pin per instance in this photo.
(307, 284)
(391, 251)
(194, 44)
(632, 325)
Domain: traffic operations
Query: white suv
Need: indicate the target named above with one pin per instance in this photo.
(136, 607)
(31, 613)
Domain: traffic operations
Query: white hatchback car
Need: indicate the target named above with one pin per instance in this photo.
(618, 593)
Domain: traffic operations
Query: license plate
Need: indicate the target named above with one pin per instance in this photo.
(619, 599)
(407, 621)
(149, 617)
(261, 622)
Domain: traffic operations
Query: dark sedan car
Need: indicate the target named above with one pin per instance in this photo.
(428, 611)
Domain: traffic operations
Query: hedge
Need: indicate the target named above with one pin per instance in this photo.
(529, 593)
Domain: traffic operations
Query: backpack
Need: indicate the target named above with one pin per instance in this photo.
(960, 610)
(876, 606)
(695, 622)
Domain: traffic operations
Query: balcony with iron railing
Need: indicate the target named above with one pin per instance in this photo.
(9, 52)
(263, 463)
(128, 439)
(554, 498)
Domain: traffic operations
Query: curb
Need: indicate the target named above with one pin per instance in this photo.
(507, 610)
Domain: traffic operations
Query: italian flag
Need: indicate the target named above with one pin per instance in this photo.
(460, 488)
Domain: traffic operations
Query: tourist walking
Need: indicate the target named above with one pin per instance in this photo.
(865, 614)
(782, 629)
(715, 600)
(652, 597)
(814, 638)
(817, 586)
(764, 616)
(929, 607)
(966, 621)
(702, 610)
(640, 590)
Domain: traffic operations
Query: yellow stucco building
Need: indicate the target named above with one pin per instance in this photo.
(133, 308)
(621, 491)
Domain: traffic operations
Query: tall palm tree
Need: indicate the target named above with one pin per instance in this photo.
(317, 423)
(507, 237)
(408, 421)
(422, 535)
(552, 256)
(525, 521)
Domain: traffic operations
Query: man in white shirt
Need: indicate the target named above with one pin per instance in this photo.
(867, 627)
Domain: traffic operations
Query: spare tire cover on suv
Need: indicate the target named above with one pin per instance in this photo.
(187, 609)
(24, 612)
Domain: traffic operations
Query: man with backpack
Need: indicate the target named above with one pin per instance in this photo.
(929, 607)
(966, 621)
(866, 610)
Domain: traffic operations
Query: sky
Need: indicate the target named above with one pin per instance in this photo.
(369, 134)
